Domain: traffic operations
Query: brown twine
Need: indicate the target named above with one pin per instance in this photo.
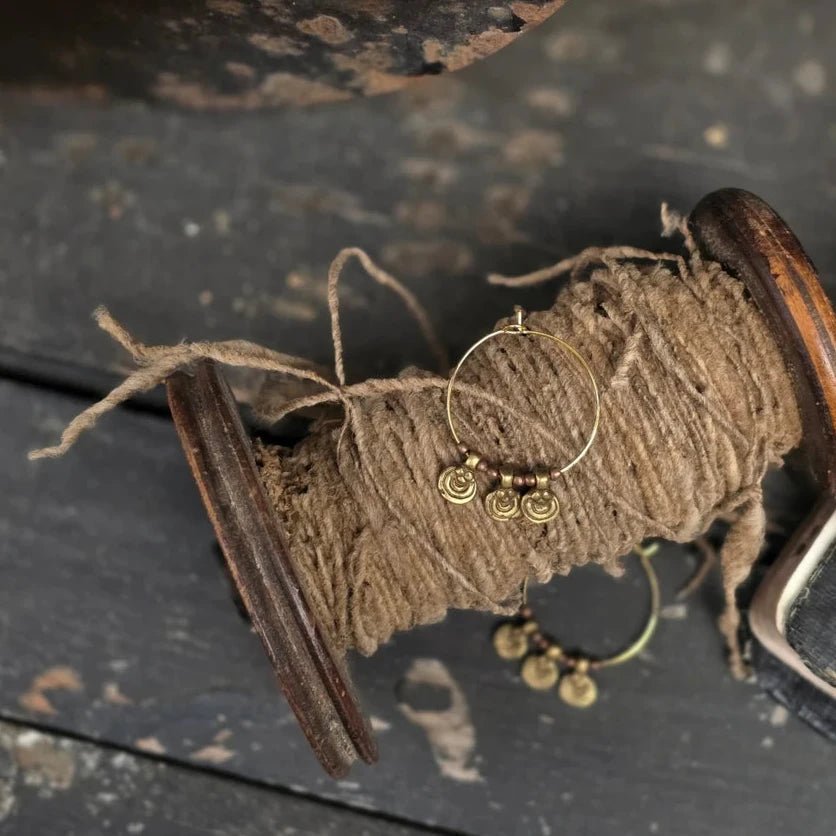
(696, 405)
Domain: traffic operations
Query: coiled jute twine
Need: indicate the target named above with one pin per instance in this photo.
(696, 402)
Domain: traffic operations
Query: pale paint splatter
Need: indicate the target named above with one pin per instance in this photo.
(214, 753)
(778, 716)
(450, 732)
(379, 724)
(42, 762)
(674, 612)
(811, 77)
(717, 59)
(112, 693)
(717, 136)
(151, 745)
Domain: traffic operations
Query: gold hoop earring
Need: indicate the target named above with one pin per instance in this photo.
(457, 483)
(546, 664)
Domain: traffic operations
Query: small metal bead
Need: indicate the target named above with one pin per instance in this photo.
(554, 652)
(462, 448)
(519, 481)
(541, 642)
(554, 473)
(530, 627)
(526, 612)
(530, 480)
(482, 466)
(492, 472)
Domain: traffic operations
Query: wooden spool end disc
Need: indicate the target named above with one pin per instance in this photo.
(314, 681)
(745, 235)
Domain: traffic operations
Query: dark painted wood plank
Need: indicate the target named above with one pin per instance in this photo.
(116, 623)
(56, 786)
(214, 227)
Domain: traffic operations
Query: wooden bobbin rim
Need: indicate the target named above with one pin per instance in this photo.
(753, 243)
(313, 679)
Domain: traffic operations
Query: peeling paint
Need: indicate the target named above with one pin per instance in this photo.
(450, 732)
(59, 678)
(112, 693)
(42, 762)
(151, 745)
(214, 753)
(327, 28)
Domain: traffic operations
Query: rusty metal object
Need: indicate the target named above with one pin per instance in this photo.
(247, 54)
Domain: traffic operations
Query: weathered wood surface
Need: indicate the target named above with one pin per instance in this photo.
(210, 227)
(57, 786)
(247, 54)
(117, 624)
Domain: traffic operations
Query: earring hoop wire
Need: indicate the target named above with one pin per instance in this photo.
(520, 329)
(644, 555)
(545, 663)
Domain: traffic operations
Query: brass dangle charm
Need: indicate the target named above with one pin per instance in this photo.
(578, 688)
(540, 671)
(540, 505)
(458, 483)
(504, 502)
(545, 663)
(511, 640)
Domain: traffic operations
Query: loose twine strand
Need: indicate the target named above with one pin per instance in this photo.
(696, 405)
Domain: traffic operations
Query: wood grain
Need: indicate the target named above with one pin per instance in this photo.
(220, 456)
(752, 241)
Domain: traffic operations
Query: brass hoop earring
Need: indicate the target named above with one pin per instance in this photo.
(546, 664)
(506, 501)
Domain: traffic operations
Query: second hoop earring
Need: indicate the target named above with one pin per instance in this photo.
(525, 493)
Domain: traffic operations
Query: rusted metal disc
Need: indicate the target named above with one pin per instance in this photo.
(247, 54)
(312, 677)
(745, 235)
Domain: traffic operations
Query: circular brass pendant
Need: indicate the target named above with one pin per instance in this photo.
(457, 484)
(503, 504)
(510, 641)
(540, 505)
(539, 672)
(578, 690)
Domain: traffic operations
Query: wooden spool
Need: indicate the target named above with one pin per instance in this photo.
(246, 54)
(790, 614)
(733, 227)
